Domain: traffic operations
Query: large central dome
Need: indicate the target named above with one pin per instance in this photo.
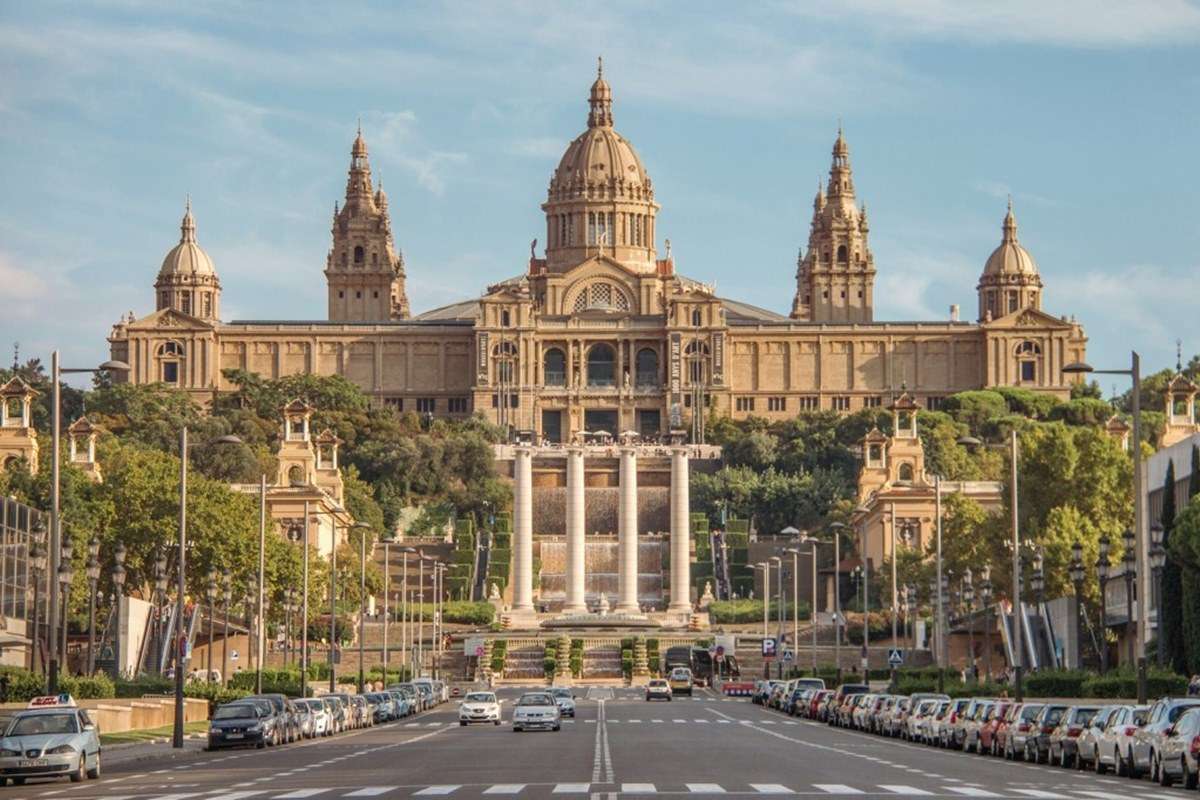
(600, 198)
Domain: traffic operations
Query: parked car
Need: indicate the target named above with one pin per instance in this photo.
(949, 731)
(1088, 746)
(1180, 751)
(937, 720)
(816, 706)
(1116, 741)
(287, 722)
(1020, 729)
(51, 738)
(1064, 739)
(838, 699)
(916, 727)
(991, 724)
(1037, 743)
(410, 694)
(1148, 739)
(338, 720)
(322, 717)
(238, 724)
(975, 718)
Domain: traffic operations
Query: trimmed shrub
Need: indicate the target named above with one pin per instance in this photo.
(732, 612)
(465, 612)
(1057, 683)
(1123, 683)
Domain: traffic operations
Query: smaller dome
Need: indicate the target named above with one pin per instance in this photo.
(1010, 258)
(187, 258)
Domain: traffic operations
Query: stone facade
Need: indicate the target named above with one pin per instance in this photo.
(602, 331)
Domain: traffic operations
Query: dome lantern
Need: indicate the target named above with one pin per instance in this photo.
(1011, 280)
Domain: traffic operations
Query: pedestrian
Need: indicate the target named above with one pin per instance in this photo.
(4, 688)
(1194, 685)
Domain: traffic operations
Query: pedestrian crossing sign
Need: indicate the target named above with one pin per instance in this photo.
(895, 657)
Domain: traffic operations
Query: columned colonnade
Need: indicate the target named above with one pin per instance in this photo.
(627, 532)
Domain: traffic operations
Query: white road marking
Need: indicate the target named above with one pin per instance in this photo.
(909, 790)
(770, 788)
(638, 788)
(299, 793)
(1039, 793)
(836, 788)
(505, 788)
(971, 791)
(236, 795)
(571, 788)
(443, 789)
(705, 788)
(370, 791)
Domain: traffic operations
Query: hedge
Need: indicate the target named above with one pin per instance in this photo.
(466, 612)
(499, 651)
(1123, 683)
(732, 612)
(1057, 683)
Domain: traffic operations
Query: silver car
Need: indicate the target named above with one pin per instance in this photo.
(1087, 747)
(1179, 761)
(566, 701)
(1149, 739)
(1116, 740)
(51, 738)
(536, 710)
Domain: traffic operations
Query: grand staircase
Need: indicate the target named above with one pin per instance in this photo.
(602, 663)
(525, 662)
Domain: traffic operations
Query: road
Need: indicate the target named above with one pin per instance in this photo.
(618, 745)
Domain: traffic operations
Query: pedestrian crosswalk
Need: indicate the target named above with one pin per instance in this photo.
(947, 790)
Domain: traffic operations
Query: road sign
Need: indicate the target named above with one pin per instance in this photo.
(788, 655)
(233, 656)
(895, 657)
(769, 648)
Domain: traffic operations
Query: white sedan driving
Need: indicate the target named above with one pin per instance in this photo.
(479, 707)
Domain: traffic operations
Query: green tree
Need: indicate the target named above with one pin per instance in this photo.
(1170, 636)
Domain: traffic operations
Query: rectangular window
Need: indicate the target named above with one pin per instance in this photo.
(933, 402)
(512, 400)
(456, 405)
(872, 402)
(394, 402)
(1028, 371)
(426, 405)
(745, 404)
(170, 372)
(208, 305)
(776, 404)
(809, 402)
(841, 403)
(185, 303)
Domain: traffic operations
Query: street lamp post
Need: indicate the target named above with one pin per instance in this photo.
(55, 545)
(160, 590)
(287, 629)
(37, 563)
(778, 562)
(66, 574)
(362, 527)
(93, 578)
(968, 597)
(1102, 572)
(227, 596)
(421, 614)
(387, 590)
(1141, 553)
(985, 598)
(1130, 561)
(405, 633)
(1076, 572)
(334, 650)
(1158, 560)
(796, 605)
(210, 594)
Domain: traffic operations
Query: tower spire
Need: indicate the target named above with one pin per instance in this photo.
(1010, 224)
(600, 100)
(187, 226)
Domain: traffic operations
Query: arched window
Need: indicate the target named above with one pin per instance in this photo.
(358, 254)
(170, 354)
(1028, 355)
(506, 361)
(170, 349)
(842, 256)
(554, 367)
(374, 259)
(696, 355)
(647, 368)
(905, 474)
(601, 365)
(295, 475)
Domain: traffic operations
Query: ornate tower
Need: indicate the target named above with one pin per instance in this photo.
(364, 271)
(835, 281)
(1010, 281)
(600, 201)
(187, 281)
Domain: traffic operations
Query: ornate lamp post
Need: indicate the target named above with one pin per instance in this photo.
(66, 574)
(968, 598)
(1158, 560)
(210, 594)
(227, 579)
(985, 600)
(93, 578)
(160, 595)
(1102, 575)
(1130, 561)
(37, 563)
(1038, 581)
(1076, 572)
(288, 608)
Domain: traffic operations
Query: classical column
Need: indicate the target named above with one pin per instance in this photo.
(576, 601)
(627, 535)
(523, 530)
(680, 533)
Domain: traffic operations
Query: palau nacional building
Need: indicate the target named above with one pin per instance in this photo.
(599, 337)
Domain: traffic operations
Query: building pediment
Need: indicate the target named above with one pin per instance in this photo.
(170, 319)
(1027, 318)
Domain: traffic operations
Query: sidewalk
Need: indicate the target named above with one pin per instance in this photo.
(158, 750)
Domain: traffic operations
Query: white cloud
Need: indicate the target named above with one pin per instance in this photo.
(21, 288)
(1163, 304)
(540, 147)
(1076, 23)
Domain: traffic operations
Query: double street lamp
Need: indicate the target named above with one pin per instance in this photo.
(1077, 573)
(37, 563)
(66, 574)
(1129, 560)
(93, 578)
(985, 599)
(1102, 575)
(1158, 560)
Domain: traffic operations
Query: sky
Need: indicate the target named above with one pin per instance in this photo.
(1086, 112)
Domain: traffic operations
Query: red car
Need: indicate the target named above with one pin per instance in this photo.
(987, 731)
(816, 702)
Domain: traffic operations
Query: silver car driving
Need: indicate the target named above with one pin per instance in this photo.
(536, 710)
(51, 738)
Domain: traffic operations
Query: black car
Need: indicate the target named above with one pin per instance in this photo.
(287, 719)
(240, 724)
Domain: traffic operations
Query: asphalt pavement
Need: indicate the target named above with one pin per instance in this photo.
(619, 744)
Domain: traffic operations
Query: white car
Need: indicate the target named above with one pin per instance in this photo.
(479, 707)
(536, 710)
(321, 718)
